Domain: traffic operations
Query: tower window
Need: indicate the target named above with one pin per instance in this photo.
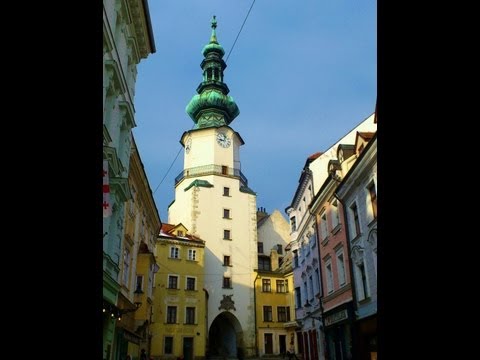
(226, 235)
(226, 213)
(226, 191)
(226, 260)
(224, 170)
(227, 283)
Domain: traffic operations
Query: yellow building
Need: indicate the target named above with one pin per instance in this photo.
(274, 302)
(179, 327)
(137, 265)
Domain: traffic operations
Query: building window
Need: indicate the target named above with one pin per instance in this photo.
(267, 313)
(192, 254)
(317, 281)
(363, 285)
(226, 260)
(227, 283)
(260, 247)
(266, 285)
(293, 223)
(139, 284)
(226, 191)
(264, 263)
(283, 313)
(280, 261)
(356, 222)
(323, 226)
(190, 315)
(282, 286)
(311, 287)
(190, 283)
(341, 267)
(335, 214)
(373, 199)
(295, 258)
(226, 235)
(172, 281)
(126, 266)
(224, 170)
(171, 314)
(174, 251)
(329, 273)
(179, 233)
(168, 349)
(226, 213)
(279, 249)
(298, 298)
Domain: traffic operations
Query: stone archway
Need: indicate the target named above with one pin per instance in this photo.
(225, 337)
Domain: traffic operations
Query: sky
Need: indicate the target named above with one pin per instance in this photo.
(302, 72)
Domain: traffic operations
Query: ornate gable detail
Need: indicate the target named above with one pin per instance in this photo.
(227, 303)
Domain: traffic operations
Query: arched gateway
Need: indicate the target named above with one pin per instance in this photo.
(225, 337)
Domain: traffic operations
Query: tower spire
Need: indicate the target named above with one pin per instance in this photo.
(213, 38)
(212, 106)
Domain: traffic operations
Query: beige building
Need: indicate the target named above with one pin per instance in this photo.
(138, 264)
(274, 286)
(179, 327)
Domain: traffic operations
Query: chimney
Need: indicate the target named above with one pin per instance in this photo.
(261, 213)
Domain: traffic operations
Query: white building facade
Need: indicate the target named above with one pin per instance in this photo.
(305, 244)
(213, 200)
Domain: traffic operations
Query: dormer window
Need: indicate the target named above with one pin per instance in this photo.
(340, 156)
(180, 233)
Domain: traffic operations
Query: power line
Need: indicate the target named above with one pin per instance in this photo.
(244, 21)
(178, 153)
(173, 162)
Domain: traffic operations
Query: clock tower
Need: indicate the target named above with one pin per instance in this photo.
(213, 201)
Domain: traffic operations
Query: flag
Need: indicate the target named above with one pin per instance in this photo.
(107, 207)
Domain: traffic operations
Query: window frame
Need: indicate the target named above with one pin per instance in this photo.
(177, 283)
(187, 283)
(171, 310)
(267, 310)
(266, 285)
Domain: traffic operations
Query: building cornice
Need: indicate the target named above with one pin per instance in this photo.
(366, 158)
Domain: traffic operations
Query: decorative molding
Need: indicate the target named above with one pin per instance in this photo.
(227, 303)
(127, 112)
(115, 81)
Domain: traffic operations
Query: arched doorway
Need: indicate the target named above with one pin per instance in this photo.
(225, 337)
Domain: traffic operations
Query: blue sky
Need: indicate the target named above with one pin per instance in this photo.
(303, 73)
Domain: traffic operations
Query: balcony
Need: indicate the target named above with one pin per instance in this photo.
(211, 170)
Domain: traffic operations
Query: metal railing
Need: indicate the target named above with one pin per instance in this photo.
(211, 170)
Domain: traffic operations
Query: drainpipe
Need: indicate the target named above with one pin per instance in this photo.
(255, 313)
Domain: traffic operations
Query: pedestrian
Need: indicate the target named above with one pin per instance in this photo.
(143, 356)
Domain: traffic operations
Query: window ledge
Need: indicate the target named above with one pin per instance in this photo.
(227, 239)
(325, 241)
(372, 222)
(171, 258)
(191, 290)
(192, 260)
(225, 218)
(336, 229)
(364, 300)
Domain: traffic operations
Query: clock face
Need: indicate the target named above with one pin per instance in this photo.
(188, 145)
(223, 140)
